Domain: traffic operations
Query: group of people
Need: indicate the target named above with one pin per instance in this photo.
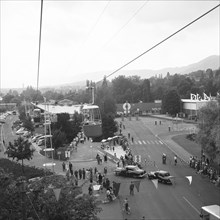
(203, 167)
(99, 159)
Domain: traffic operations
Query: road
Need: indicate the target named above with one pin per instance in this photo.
(179, 201)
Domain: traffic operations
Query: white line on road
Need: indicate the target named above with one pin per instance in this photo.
(191, 205)
(144, 142)
(139, 142)
(148, 142)
(161, 142)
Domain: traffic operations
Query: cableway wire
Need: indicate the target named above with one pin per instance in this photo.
(39, 48)
(162, 41)
(128, 21)
(90, 31)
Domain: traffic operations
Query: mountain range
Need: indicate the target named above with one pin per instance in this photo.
(212, 62)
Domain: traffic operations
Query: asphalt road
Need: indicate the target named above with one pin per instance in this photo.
(179, 201)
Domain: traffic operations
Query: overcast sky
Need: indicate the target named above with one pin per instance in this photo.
(81, 37)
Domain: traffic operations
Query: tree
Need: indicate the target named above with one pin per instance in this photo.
(40, 201)
(171, 102)
(209, 129)
(28, 124)
(21, 150)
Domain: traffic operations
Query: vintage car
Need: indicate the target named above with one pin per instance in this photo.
(161, 175)
(130, 171)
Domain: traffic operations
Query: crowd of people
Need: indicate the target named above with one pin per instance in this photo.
(203, 167)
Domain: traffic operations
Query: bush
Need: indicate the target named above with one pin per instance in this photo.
(191, 137)
(16, 169)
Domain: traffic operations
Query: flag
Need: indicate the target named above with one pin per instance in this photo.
(155, 182)
(116, 187)
(137, 184)
(57, 193)
(190, 179)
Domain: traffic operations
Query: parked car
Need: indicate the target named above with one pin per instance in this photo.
(35, 138)
(21, 131)
(161, 175)
(130, 171)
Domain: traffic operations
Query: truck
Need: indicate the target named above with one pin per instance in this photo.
(211, 212)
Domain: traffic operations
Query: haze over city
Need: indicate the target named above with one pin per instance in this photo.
(81, 37)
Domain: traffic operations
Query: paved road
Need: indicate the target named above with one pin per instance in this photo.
(180, 201)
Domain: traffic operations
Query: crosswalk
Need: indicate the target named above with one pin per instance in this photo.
(146, 142)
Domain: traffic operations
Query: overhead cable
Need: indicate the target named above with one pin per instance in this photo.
(128, 21)
(163, 41)
(39, 48)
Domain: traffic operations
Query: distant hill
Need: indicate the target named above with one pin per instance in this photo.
(212, 62)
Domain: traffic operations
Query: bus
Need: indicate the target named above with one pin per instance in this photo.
(211, 212)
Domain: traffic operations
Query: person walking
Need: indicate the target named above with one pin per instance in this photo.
(90, 189)
(131, 187)
(175, 160)
(64, 166)
(126, 207)
(76, 174)
(132, 139)
(83, 173)
(80, 174)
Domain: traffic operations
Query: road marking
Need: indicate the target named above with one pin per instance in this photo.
(148, 142)
(191, 205)
(161, 142)
(139, 142)
(157, 142)
(144, 142)
(148, 156)
(152, 142)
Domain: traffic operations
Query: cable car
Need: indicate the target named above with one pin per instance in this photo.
(37, 115)
(92, 123)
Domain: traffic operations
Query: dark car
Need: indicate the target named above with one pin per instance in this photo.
(161, 175)
(130, 171)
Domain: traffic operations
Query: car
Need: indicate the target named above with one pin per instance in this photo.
(161, 175)
(21, 131)
(35, 138)
(130, 171)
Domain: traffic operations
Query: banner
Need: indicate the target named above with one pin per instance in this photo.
(190, 179)
(137, 184)
(116, 187)
(57, 193)
(155, 182)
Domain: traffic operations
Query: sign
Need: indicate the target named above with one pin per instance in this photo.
(137, 158)
(126, 106)
(58, 152)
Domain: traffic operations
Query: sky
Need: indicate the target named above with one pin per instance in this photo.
(80, 38)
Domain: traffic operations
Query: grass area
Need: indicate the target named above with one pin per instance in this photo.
(190, 146)
(15, 168)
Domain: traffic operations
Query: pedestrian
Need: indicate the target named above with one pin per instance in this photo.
(131, 187)
(76, 174)
(175, 160)
(64, 166)
(90, 189)
(100, 179)
(70, 166)
(107, 183)
(98, 158)
(105, 158)
(105, 170)
(126, 206)
(71, 172)
(124, 126)
(129, 135)
(83, 173)
(132, 139)
(95, 170)
(80, 174)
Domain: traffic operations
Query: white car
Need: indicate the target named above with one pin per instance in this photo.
(20, 131)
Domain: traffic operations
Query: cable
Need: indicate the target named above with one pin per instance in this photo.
(97, 21)
(162, 41)
(38, 66)
(114, 35)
